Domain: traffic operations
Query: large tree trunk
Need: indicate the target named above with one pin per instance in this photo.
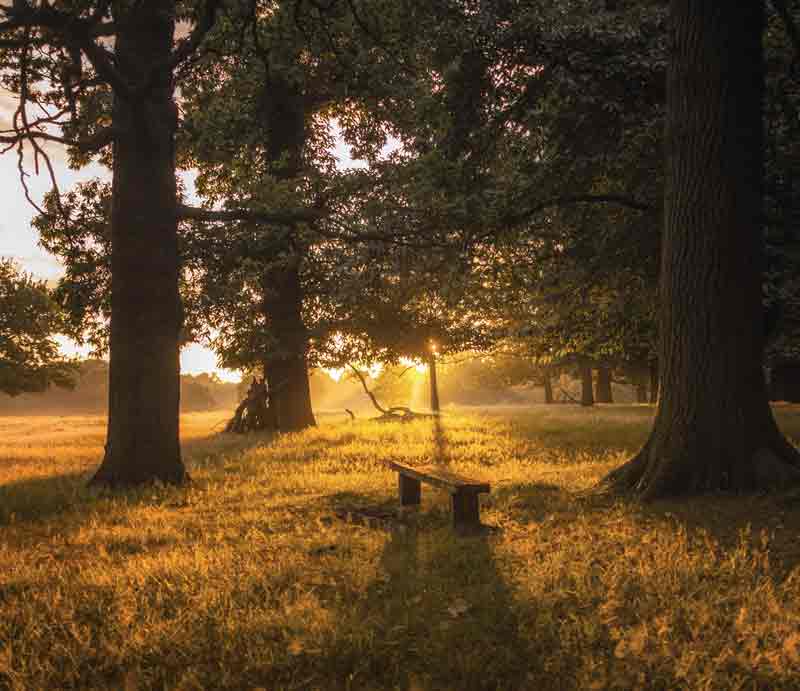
(603, 393)
(144, 390)
(587, 396)
(786, 383)
(714, 429)
(286, 368)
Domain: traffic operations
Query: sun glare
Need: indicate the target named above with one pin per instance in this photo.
(334, 373)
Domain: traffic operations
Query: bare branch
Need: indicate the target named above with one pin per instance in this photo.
(101, 139)
(24, 133)
(74, 30)
(369, 393)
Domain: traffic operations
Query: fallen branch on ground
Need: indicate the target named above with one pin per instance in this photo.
(396, 413)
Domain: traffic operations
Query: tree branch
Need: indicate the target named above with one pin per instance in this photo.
(102, 138)
(73, 29)
(288, 217)
(190, 44)
(369, 393)
(571, 200)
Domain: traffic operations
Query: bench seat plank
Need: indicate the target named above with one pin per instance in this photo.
(441, 477)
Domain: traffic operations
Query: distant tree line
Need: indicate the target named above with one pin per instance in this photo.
(88, 393)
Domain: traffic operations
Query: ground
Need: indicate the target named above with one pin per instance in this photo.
(247, 580)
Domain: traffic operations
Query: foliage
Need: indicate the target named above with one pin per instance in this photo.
(29, 319)
(80, 237)
(166, 587)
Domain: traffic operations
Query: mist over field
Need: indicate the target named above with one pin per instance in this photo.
(470, 380)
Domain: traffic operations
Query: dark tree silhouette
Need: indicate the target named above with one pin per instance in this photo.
(285, 115)
(144, 379)
(603, 393)
(714, 429)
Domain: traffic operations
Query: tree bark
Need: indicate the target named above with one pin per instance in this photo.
(548, 389)
(654, 385)
(639, 381)
(587, 396)
(786, 383)
(433, 383)
(714, 429)
(603, 392)
(286, 369)
(146, 316)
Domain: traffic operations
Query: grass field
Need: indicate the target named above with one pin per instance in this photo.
(246, 580)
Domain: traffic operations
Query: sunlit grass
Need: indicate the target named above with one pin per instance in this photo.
(246, 580)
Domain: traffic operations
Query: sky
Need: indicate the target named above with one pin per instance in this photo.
(19, 241)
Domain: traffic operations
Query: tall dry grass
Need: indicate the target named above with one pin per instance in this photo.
(246, 580)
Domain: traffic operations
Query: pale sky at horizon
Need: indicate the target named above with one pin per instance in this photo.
(19, 241)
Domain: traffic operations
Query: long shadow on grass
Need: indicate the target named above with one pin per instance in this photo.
(729, 519)
(41, 498)
(439, 615)
(444, 616)
(532, 501)
(441, 453)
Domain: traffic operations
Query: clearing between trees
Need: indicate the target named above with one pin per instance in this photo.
(247, 579)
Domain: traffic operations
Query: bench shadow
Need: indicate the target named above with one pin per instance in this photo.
(439, 615)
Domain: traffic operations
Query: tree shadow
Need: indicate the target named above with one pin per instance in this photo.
(441, 451)
(439, 615)
(347, 500)
(730, 518)
(38, 499)
(534, 502)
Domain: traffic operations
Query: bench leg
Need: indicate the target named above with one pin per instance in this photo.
(409, 490)
(466, 511)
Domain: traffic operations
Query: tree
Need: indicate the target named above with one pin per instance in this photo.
(287, 72)
(714, 429)
(603, 392)
(100, 93)
(144, 387)
(281, 296)
(29, 357)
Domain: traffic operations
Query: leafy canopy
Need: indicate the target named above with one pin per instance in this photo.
(29, 356)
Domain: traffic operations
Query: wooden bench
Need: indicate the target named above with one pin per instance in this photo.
(463, 491)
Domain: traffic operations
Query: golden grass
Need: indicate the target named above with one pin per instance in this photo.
(244, 580)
